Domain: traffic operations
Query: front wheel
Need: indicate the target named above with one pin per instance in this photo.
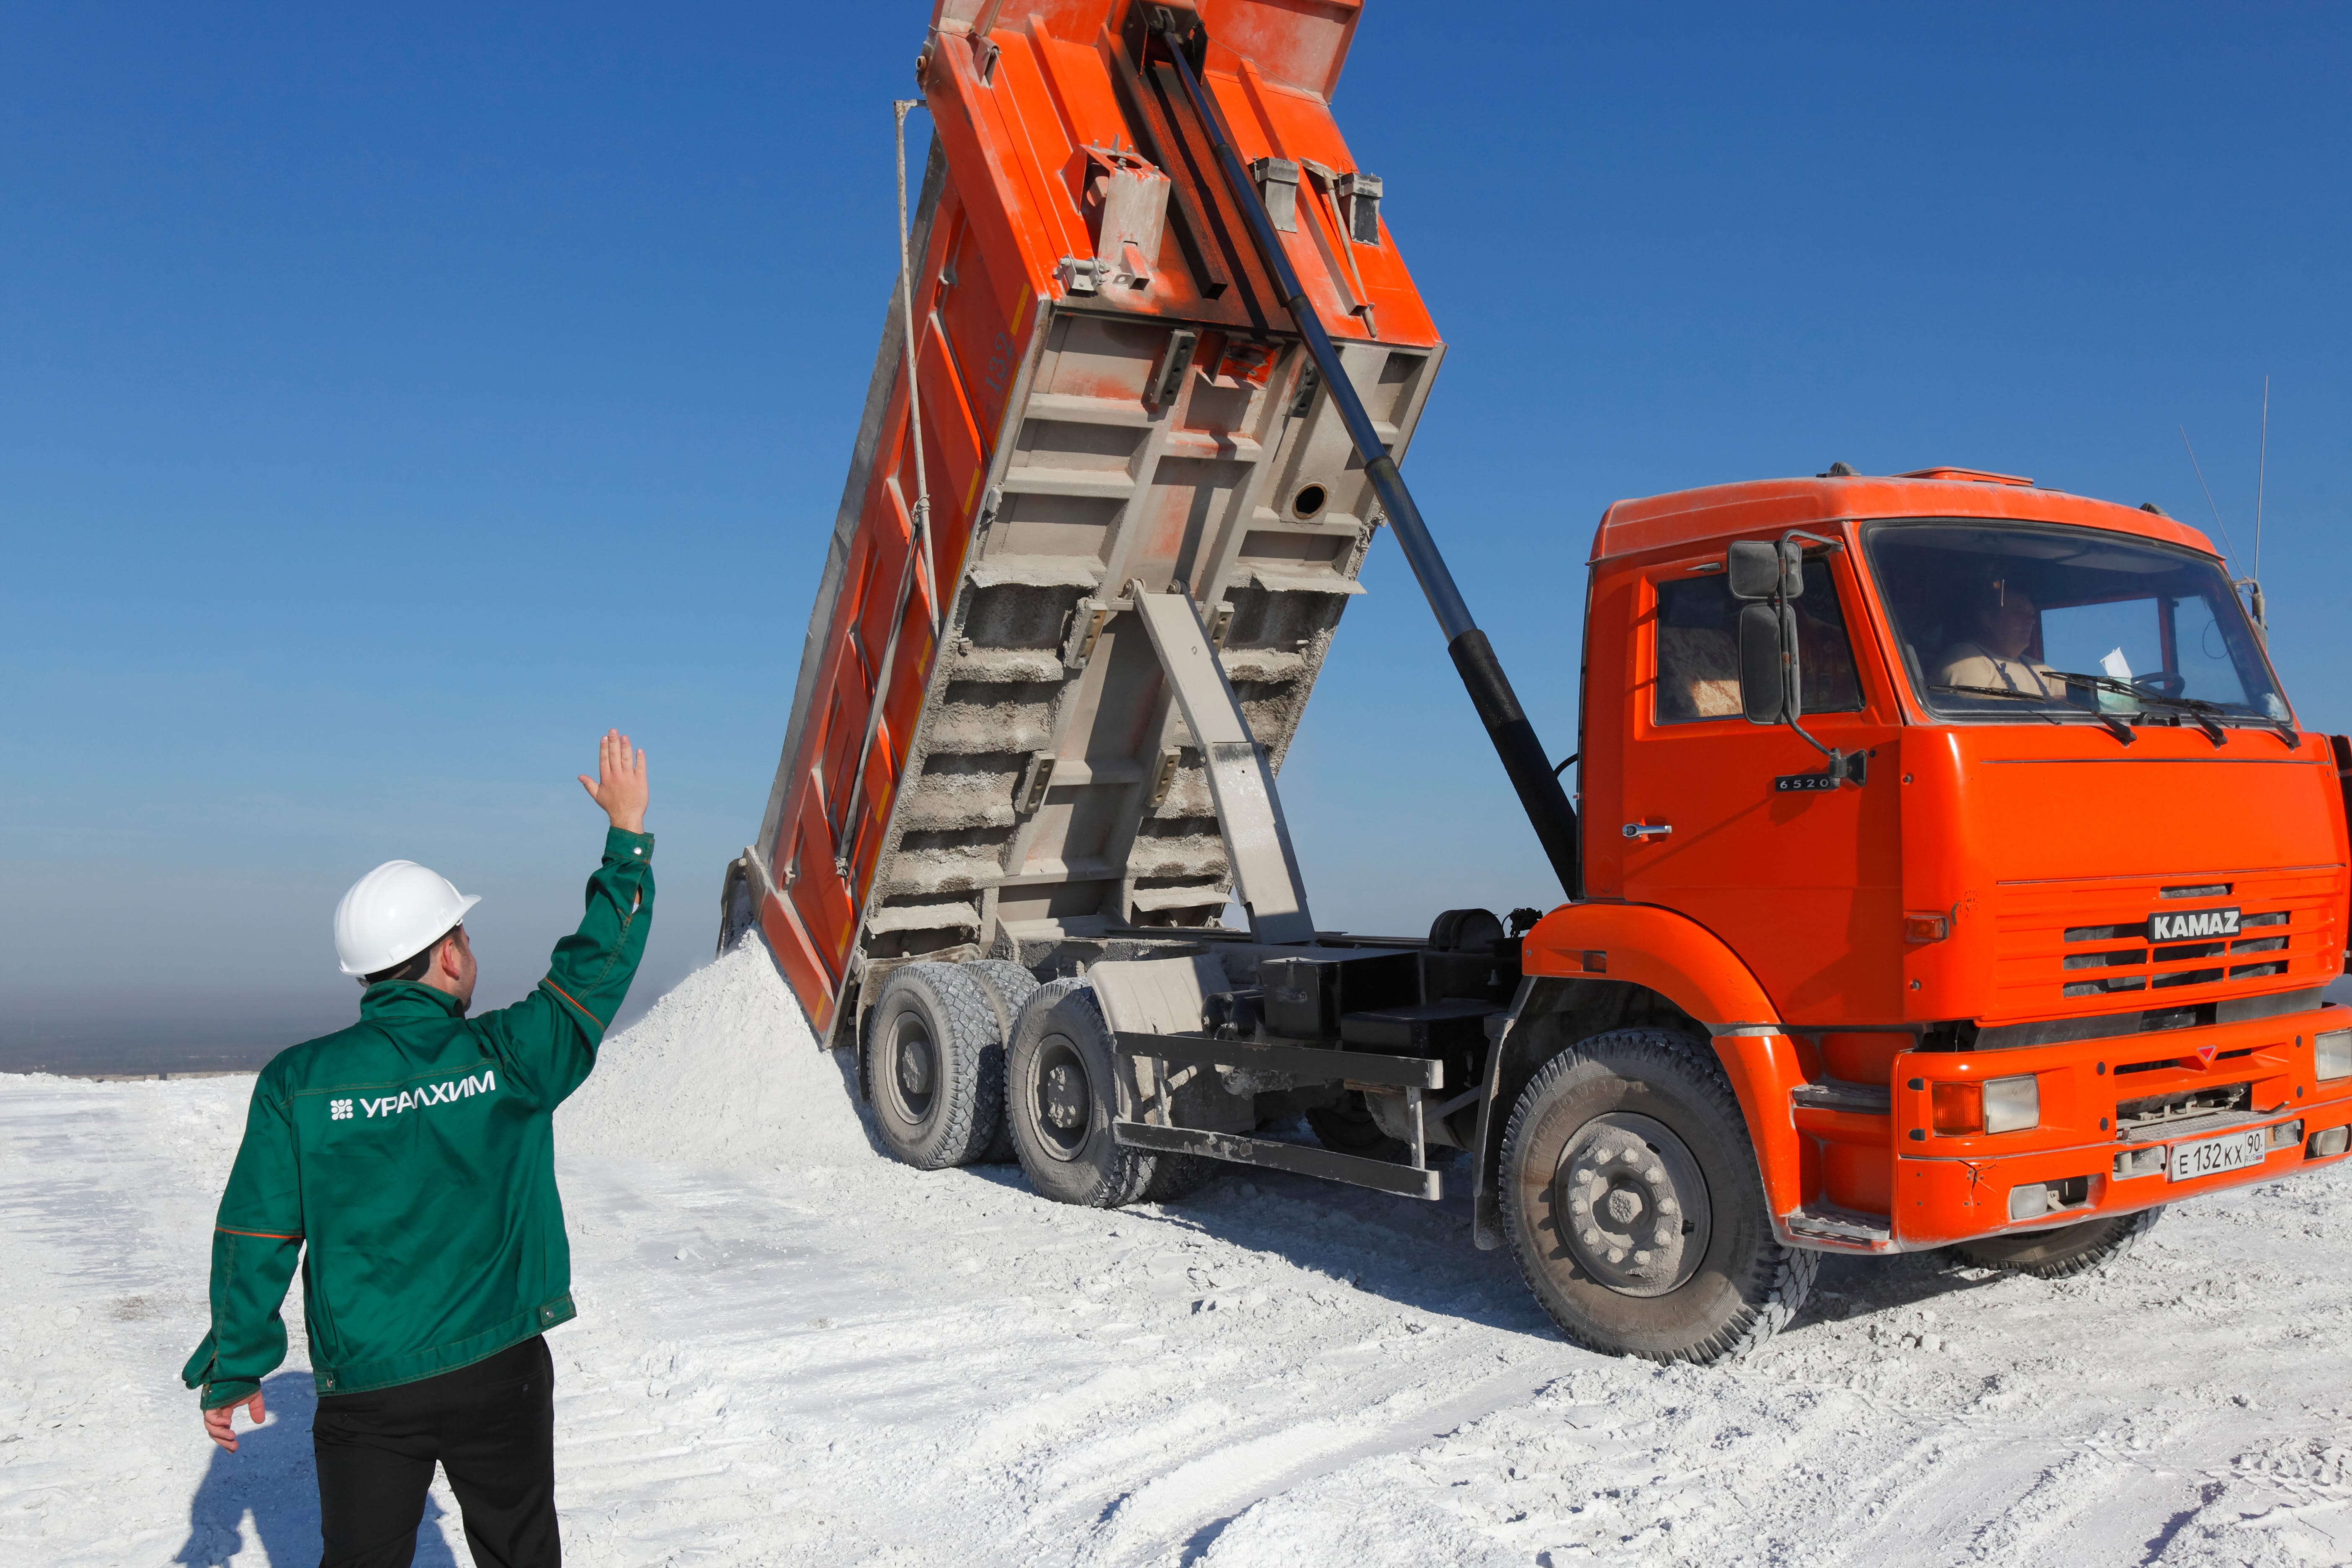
(2071, 1249)
(1633, 1202)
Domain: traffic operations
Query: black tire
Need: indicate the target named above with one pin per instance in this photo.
(1008, 987)
(1061, 1098)
(927, 1040)
(1347, 1128)
(1175, 1176)
(2069, 1250)
(1700, 1275)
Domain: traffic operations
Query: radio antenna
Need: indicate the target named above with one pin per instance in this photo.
(2261, 464)
(2207, 488)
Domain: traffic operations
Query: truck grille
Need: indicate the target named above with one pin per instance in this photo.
(2172, 965)
(2087, 940)
(2171, 1115)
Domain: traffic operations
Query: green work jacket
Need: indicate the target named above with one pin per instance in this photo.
(409, 1162)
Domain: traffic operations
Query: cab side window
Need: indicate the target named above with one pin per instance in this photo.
(1698, 648)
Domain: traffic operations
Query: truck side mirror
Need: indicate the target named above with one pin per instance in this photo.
(1757, 569)
(1770, 683)
(1754, 568)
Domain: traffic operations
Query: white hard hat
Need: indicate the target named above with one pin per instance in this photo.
(394, 913)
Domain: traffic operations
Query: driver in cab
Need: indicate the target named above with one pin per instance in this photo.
(2000, 620)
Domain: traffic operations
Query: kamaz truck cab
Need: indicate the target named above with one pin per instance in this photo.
(1971, 823)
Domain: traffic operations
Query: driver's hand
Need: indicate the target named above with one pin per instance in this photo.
(219, 1428)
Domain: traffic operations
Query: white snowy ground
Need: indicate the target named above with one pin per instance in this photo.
(792, 1351)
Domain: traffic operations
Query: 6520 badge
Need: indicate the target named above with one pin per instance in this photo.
(2190, 923)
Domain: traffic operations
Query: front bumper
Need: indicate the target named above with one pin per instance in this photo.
(2087, 1159)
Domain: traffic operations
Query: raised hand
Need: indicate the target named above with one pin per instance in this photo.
(620, 782)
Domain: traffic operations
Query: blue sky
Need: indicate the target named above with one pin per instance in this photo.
(391, 399)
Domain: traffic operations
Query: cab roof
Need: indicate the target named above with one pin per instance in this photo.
(1763, 506)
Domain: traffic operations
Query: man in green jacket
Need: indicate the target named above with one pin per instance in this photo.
(409, 1162)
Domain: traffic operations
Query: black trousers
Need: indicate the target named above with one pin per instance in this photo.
(490, 1425)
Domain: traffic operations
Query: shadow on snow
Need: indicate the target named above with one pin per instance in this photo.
(272, 1481)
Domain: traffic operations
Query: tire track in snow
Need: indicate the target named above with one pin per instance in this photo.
(808, 1355)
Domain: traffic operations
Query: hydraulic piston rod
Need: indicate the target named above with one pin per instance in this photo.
(1540, 794)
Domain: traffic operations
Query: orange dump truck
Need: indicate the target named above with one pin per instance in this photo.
(1950, 869)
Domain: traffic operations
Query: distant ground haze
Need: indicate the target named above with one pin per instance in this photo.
(395, 398)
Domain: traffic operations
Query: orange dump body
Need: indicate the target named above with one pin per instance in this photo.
(1978, 908)
(1109, 391)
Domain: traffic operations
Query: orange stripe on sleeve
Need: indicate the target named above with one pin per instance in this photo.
(264, 1234)
(559, 990)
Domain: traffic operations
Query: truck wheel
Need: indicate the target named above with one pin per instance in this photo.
(1631, 1199)
(1347, 1128)
(1008, 988)
(2069, 1250)
(1061, 1098)
(934, 1103)
(1175, 1176)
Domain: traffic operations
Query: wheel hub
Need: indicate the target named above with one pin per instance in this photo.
(1064, 1104)
(1064, 1099)
(914, 1067)
(1633, 1204)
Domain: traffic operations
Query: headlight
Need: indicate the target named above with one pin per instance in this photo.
(2333, 1056)
(2014, 1104)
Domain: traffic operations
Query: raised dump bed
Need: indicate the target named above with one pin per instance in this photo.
(1116, 413)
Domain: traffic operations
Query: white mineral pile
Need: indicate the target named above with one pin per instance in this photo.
(722, 1068)
(792, 1350)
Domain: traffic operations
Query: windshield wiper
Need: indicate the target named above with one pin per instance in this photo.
(2115, 727)
(2201, 711)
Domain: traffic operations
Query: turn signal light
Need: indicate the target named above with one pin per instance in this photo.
(2332, 1056)
(1997, 1105)
(1926, 928)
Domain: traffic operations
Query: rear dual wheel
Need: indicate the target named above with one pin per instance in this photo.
(935, 1060)
(929, 1040)
(1634, 1206)
(1008, 988)
(1062, 1097)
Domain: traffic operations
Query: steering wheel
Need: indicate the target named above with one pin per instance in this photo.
(2164, 683)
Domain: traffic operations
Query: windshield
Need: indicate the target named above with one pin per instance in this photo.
(2036, 621)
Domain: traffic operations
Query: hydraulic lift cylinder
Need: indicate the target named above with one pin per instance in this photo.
(1524, 759)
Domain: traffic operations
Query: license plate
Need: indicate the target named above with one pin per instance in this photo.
(2211, 1156)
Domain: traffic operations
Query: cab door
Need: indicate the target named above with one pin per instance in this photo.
(1733, 825)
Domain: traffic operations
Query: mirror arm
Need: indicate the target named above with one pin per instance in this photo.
(1843, 767)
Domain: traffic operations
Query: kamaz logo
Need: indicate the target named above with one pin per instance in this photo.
(2192, 923)
(483, 1082)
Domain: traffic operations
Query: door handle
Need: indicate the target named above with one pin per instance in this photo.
(1644, 829)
